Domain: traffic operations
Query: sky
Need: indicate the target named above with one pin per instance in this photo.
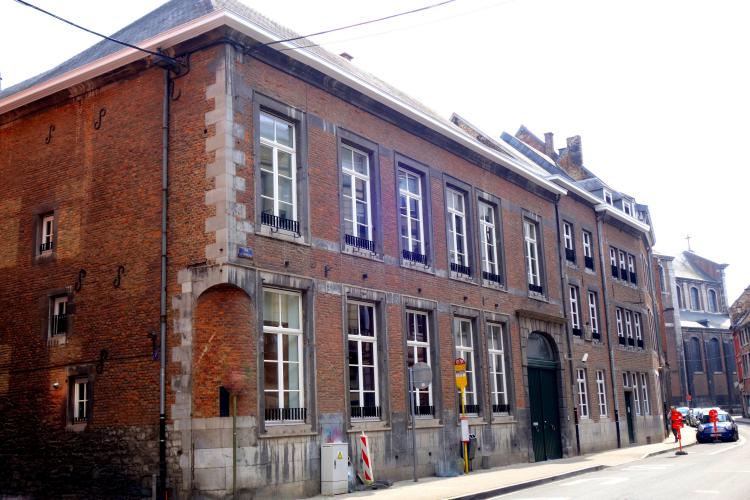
(658, 90)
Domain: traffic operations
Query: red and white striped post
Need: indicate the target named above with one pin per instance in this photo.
(365, 461)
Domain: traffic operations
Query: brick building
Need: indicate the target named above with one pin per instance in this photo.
(698, 331)
(300, 233)
(740, 314)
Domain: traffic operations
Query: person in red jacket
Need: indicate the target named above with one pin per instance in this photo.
(677, 423)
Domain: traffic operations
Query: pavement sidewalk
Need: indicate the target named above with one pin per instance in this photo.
(501, 480)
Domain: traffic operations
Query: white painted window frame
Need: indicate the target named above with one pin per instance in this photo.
(487, 229)
(568, 235)
(467, 353)
(601, 391)
(415, 345)
(406, 196)
(644, 393)
(353, 224)
(593, 312)
(531, 247)
(499, 397)
(360, 340)
(457, 218)
(575, 311)
(583, 397)
(275, 148)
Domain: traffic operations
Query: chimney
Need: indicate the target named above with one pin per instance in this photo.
(549, 145)
(574, 150)
(346, 56)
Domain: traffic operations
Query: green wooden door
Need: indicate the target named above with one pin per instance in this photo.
(629, 415)
(545, 415)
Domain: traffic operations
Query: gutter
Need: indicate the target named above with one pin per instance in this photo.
(213, 20)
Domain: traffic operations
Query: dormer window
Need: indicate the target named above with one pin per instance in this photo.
(608, 198)
(627, 208)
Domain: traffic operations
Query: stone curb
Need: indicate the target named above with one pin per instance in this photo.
(502, 490)
(654, 453)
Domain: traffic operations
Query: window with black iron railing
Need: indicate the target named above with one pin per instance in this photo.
(495, 278)
(505, 408)
(577, 332)
(59, 324)
(279, 222)
(365, 412)
(536, 288)
(596, 335)
(570, 254)
(615, 271)
(424, 410)
(470, 409)
(458, 268)
(358, 242)
(633, 278)
(414, 256)
(639, 342)
(47, 246)
(621, 340)
(589, 262)
(623, 274)
(631, 341)
(285, 414)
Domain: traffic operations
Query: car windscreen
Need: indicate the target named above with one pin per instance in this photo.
(721, 417)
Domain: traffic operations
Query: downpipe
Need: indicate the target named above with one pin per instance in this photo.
(163, 292)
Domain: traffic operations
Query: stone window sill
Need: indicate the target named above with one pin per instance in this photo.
(416, 266)
(494, 285)
(499, 418)
(428, 423)
(357, 426)
(461, 277)
(361, 253)
(264, 230)
(276, 430)
(538, 296)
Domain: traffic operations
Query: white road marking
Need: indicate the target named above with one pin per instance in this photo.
(723, 449)
(650, 467)
(613, 480)
(577, 482)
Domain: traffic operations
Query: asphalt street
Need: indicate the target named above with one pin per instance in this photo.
(712, 470)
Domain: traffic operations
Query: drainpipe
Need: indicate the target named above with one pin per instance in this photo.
(661, 355)
(561, 264)
(607, 317)
(163, 292)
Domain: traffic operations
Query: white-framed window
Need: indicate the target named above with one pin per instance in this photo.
(629, 324)
(457, 238)
(81, 399)
(278, 171)
(601, 392)
(418, 350)
(283, 370)
(594, 313)
(575, 309)
(608, 198)
(631, 268)
(411, 210)
(488, 235)
(638, 330)
(568, 235)
(588, 252)
(583, 397)
(627, 208)
(355, 172)
(680, 302)
(531, 253)
(644, 389)
(618, 318)
(464, 338)
(47, 237)
(636, 397)
(496, 346)
(623, 260)
(713, 303)
(613, 257)
(626, 379)
(362, 339)
(58, 320)
(695, 302)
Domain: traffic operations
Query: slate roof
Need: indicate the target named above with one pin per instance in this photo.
(684, 269)
(178, 12)
(534, 155)
(694, 319)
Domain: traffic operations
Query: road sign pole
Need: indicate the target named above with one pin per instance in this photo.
(413, 397)
(463, 415)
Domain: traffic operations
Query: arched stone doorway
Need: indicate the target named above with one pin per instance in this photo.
(544, 401)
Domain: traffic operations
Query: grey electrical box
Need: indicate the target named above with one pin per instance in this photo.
(334, 467)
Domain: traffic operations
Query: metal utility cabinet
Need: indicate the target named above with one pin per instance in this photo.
(334, 461)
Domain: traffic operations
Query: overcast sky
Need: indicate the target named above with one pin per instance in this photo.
(659, 90)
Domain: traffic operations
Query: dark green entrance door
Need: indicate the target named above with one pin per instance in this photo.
(629, 415)
(545, 415)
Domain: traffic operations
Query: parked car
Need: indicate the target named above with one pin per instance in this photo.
(726, 428)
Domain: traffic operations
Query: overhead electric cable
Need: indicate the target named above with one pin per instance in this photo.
(363, 23)
(126, 44)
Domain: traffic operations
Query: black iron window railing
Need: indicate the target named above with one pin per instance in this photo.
(501, 408)
(596, 335)
(577, 332)
(285, 414)
(78, 420)
(458, 268)
(424, 410)
(365, 412)
(355, 241)
(279, 222)
(496, 278)
(46, 247)
(615, 271)
(470, 409)
(633, 278)
(589, 262)
(623, 274)
(631, 341)
(536, 288)
(59, 324)
(570, 254)
(639, 342)
(414, 256)
(621, 340)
